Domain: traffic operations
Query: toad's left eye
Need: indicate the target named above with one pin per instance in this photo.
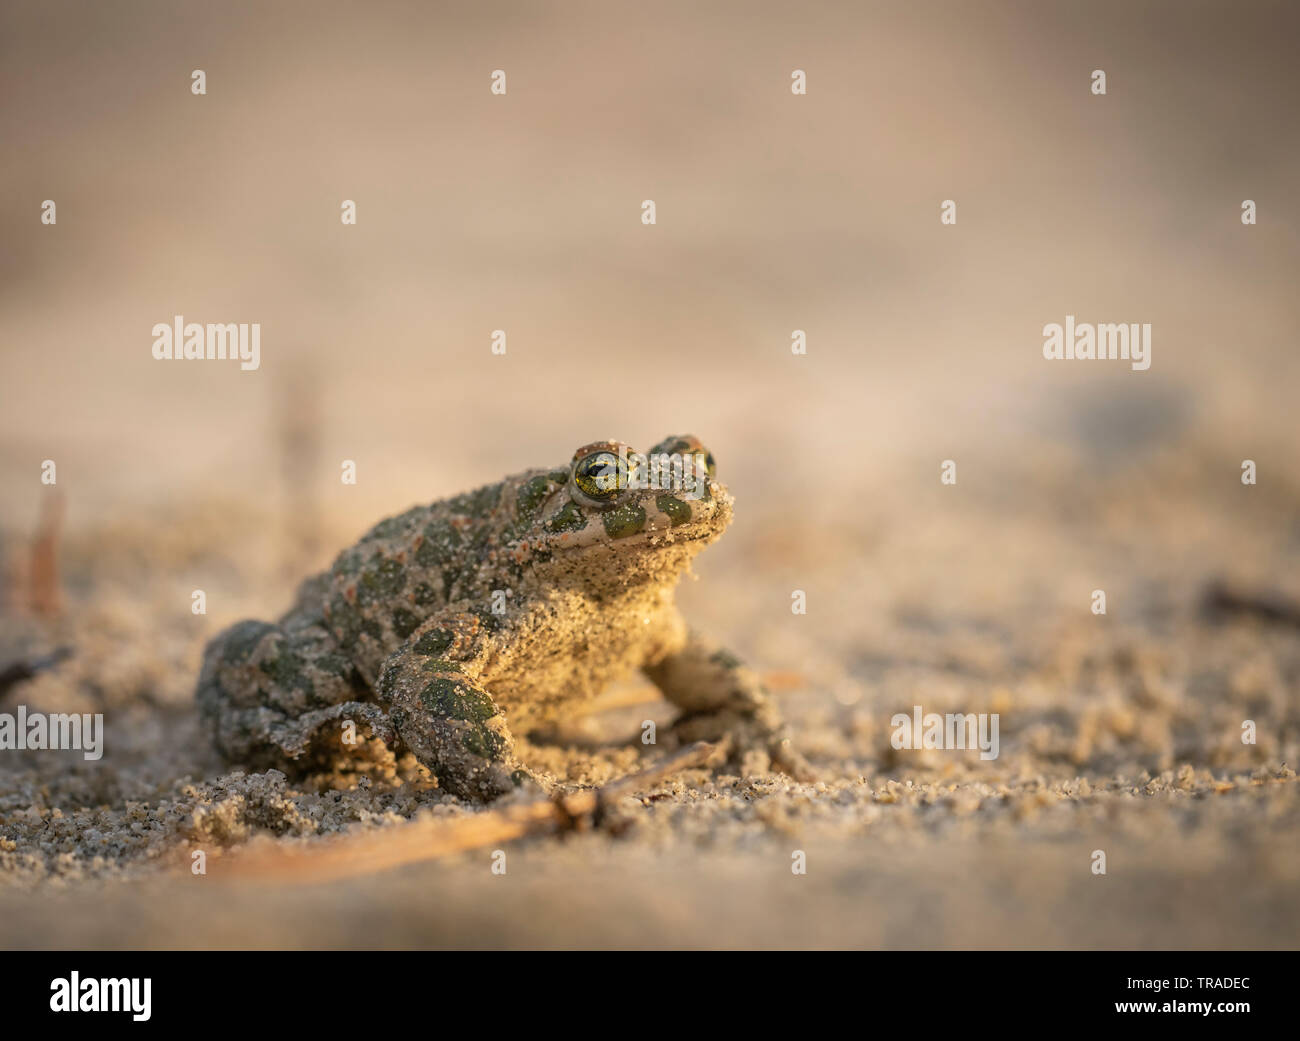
(686, 445)
(600, 477)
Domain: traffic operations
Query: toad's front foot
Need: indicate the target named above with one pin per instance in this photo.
(447, 720)
(750, 747)
(724, 701)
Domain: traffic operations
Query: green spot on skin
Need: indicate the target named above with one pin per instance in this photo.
(478, 503)
(348, 563)
(243, 639)
(435, 665)
(484, 742)
(345, 621)
(455, 699)
(404, 622)
(624, 521)
(285, 670)
(569, 519)
(381, 582)
(726, 659)
(450, 576)
(335, 663)
(440, 543)
(670, 446)
(531, 495)
(678, 511)
(425, 595)
(434, 643)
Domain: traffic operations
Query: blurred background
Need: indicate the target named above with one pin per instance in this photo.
(775, 212)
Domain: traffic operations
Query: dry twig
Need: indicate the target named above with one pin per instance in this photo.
(44, 595)
(26, 668)
(1221, 599)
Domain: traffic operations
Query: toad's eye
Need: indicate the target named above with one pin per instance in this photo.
(600, 477)
(686, 445)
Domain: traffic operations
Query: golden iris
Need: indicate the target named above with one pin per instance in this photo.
(599, 476)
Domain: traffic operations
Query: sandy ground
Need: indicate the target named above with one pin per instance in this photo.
(1120, 733)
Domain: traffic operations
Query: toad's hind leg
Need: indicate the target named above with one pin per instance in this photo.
(722, 699)
(278, 696)
(444, 716)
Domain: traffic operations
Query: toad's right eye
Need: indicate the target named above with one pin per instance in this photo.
(600, 477)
